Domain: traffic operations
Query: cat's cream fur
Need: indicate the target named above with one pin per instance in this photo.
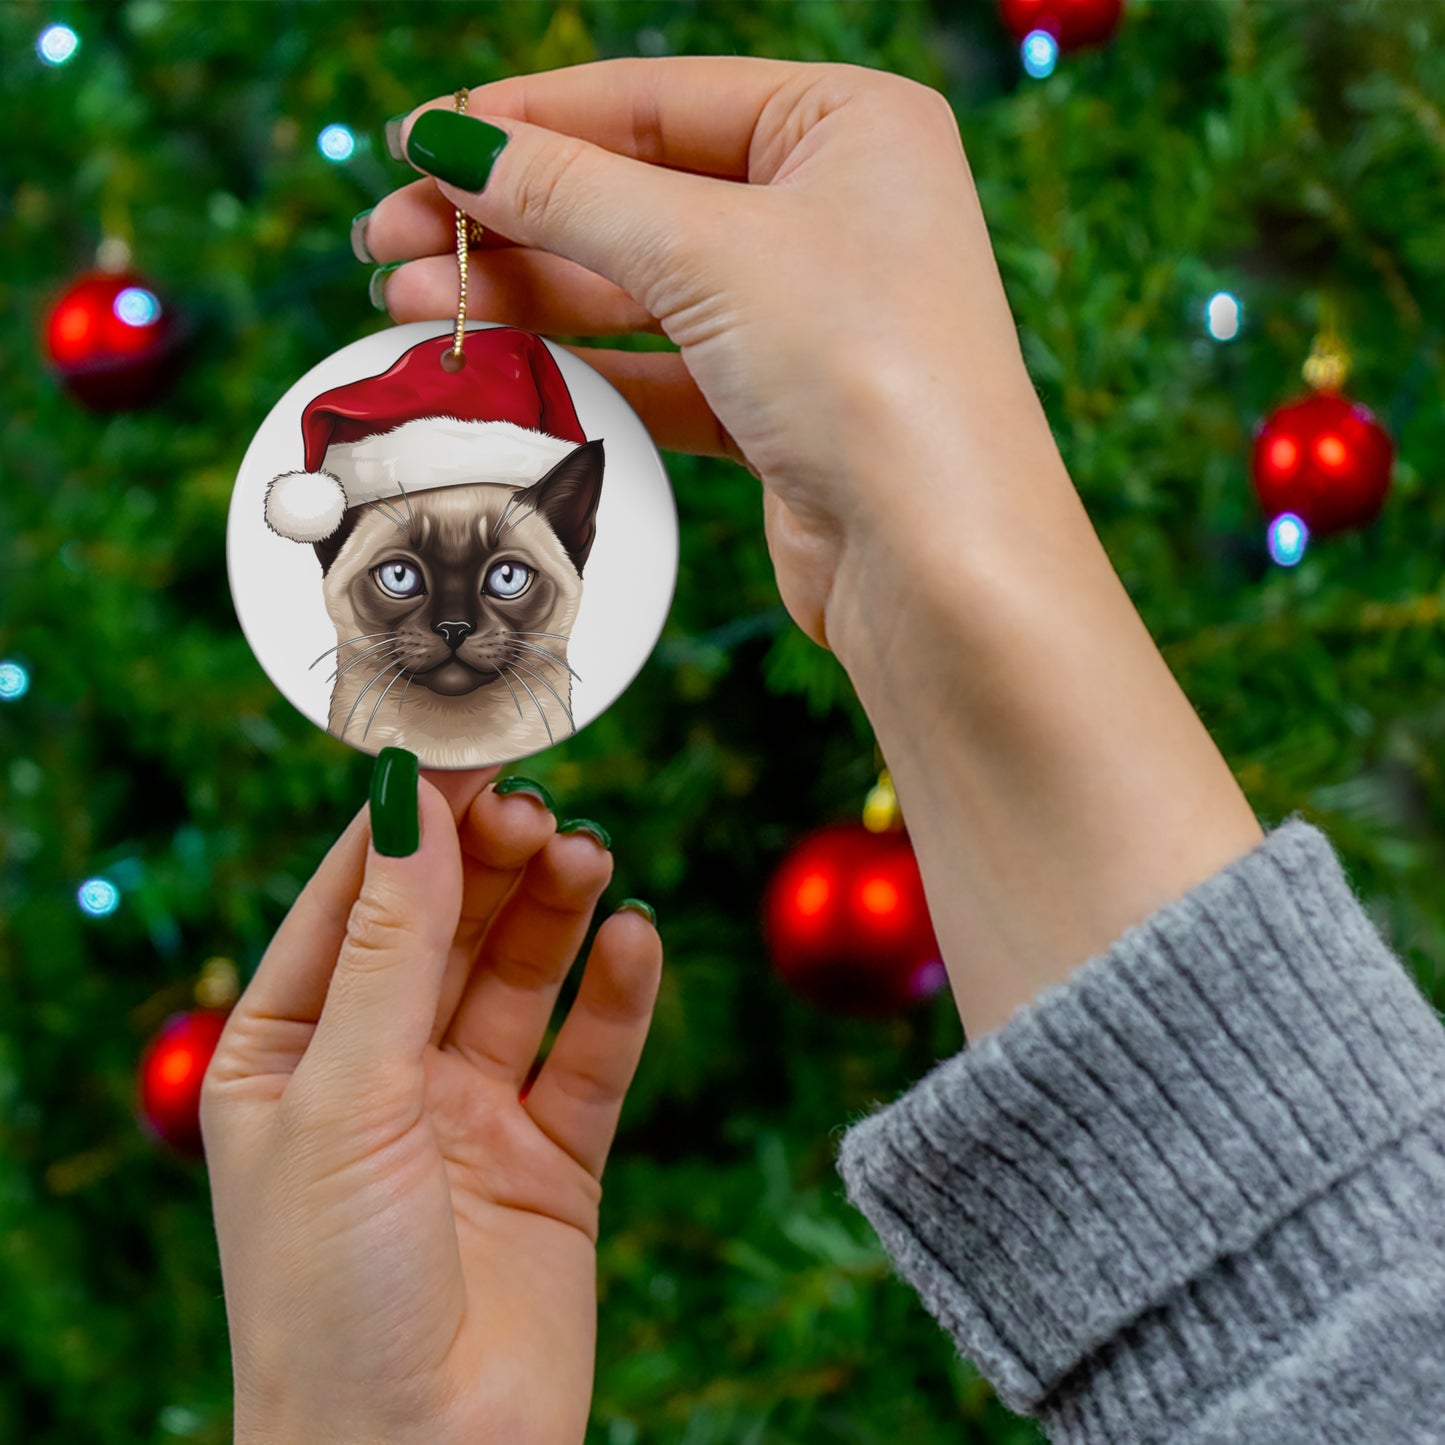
(379, 698)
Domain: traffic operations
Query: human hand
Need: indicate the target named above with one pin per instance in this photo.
(407, 1246)
(843, 300)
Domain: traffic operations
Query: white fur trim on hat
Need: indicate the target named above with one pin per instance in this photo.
(440, 451)
(305, 506)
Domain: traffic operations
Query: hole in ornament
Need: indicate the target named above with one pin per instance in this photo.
(453, 360)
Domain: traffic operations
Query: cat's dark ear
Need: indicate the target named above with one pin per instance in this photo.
(568, 496)
(328, 551)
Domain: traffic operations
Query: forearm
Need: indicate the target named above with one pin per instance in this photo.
(1056, 782)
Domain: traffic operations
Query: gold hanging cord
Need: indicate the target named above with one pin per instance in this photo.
(469, 233)
(1328, 366)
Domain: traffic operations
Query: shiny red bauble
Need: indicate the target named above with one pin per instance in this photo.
(1324, 458)
(171, 1071)
(847, 924)
(1073, 23)
(112, 341)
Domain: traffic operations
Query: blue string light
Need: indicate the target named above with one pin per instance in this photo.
(57, 44)
(14, 681)
(1223, 316)
(137, 307)
(98, 897)
(1288, 538)
(336, 143)
(1040, 52)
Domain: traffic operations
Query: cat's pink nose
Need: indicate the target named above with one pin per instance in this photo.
(453, 633)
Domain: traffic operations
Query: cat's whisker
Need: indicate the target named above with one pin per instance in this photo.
(524, 632)
(410, 515)
(558, 661)
(369, 654)
(381, 672)
(391, 514)
(541, 710)
(533, 673)
(382, 699)
(530, 512)
(365, 637)
(502, 673)
(402, 699)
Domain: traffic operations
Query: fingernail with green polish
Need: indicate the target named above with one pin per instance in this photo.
(359, 248)
(395, 820)
(586, 825)
(392, 132)
(636, 905)
(376, 287)
(455, 148)
(525, 785)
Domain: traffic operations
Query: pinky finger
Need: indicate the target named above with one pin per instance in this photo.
(577, 1097)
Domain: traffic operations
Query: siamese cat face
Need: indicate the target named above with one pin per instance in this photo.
(453, 608)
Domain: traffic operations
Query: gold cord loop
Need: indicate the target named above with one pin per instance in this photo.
(469, 233)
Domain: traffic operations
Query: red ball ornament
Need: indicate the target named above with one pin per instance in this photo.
(171, 1071)
(111, 341)
(1324, 458)
(847, 923)
(1073, 23)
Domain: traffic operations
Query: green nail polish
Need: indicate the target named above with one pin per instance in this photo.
(395, 821)
(525, 785)
(359, 247)
(392, 132)
(455, 148)
(586, 825)
(636, 905)
(376, 287)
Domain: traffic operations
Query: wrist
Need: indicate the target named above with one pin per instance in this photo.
(1057, 784)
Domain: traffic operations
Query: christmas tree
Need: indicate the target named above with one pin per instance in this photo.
(1212, 161)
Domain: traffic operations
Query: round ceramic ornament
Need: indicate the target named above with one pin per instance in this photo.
(459, 541)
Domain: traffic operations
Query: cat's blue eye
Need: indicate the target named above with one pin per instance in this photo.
(399, 579)
(508, 579)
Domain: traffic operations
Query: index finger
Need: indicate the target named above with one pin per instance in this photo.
(696, 113)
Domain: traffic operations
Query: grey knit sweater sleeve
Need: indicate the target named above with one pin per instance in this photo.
(1196, 1192)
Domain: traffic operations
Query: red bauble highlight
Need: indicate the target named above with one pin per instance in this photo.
(1073, 23)
(847, 923)
(171, 1072)
(1326, 459)
(112, 341)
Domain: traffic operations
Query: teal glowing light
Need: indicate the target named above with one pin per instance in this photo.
(14, 681)
(98, 897)
(57, 44)
(1223, 316)
(1288, 537)
(137, 307)
(336, 143)
(1040, 52)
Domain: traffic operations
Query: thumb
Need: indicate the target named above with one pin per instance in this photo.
(382, 1000)
(633, 223)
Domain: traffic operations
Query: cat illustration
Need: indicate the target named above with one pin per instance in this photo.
(452, 505)
(453, 611)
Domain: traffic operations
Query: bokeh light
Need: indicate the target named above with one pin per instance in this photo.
(336, 143)
(14, 681)
(1040, 52)
(1288, 538)
(98, 897)
(57, 44)
(1223, 316)
(137, 307)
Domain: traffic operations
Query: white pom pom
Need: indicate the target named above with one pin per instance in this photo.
(305, 506)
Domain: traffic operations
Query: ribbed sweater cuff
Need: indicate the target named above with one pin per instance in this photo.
(1168, 1151)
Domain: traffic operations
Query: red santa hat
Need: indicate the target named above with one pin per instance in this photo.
(505, 417)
